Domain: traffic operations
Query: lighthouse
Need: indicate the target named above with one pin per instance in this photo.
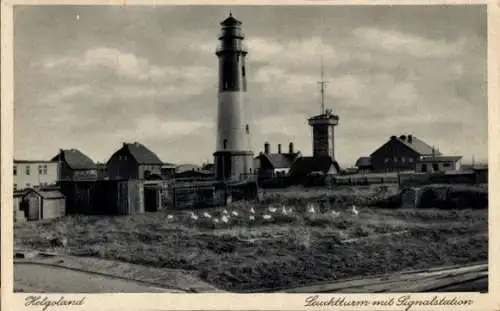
(233, 158)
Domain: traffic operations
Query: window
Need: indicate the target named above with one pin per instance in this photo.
(386, 160)
(410, 160)
(225, 143)
(15, 187)
(39, 170)
(45, 170)
(27, 170)
(15, 170)
(243, 73)
(403, 160)
(395, 160)
(247, 129)
(28, 185)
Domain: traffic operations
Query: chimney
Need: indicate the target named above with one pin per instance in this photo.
(393, 137)
(279, 148)
(410, 138)
(290, 148)
(266, 148)
(402, 137)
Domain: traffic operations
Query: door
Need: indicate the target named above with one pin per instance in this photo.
(424, 168)
(435, 167)
(34, 206)
(151, 199)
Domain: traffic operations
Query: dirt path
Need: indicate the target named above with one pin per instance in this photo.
(30, 277)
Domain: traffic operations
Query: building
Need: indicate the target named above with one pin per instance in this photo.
(430, 164)
(401, 154)
(134, 161)
(318, 167)
(102, 171)
(75, 165)
(42, 204)
(323, 126)
(270, 165)
(233, 158)
(364, 165)
(31, 173)
(167, 171)
(192, 171)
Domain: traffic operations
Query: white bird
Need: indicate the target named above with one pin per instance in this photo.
(170, 217)
(225, 212)
(335, 213)
(354, 210)
(207, 215)
(251, 217)
(284, 211)
(194, 216)
(252, 210)
(311, 208)
(272, 209)
(266, 216)
(225, 219)
(235, 213)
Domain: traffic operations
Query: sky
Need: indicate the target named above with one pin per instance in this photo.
(93, 77)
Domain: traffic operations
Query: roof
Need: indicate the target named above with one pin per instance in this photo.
(47, 194)
(186, 167)
(416, 144)
(230, 21)
(324, 116)
(33, 161)
(364, 162)
(19, 193)
(303, 166)
(280, 160)
(435, 159)
(141, 154)
(75, 159)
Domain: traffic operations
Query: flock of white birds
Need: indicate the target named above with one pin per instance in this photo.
(251, 215)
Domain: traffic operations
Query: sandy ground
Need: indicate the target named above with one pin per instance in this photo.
(40, 278)
(138, 277)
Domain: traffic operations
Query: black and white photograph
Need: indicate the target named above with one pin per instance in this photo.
(250, 149)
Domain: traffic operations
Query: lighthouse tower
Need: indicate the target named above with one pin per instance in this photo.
(232, 158)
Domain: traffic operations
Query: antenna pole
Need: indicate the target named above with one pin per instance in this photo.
(322, 83)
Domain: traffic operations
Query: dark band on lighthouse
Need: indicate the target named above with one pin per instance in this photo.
(232, 56)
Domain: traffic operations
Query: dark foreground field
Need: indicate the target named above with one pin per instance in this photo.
(298, 248)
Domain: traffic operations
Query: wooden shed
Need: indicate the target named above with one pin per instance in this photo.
(19, 215)
(43, 204)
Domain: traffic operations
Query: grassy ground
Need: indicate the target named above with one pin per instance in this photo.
(294, 249)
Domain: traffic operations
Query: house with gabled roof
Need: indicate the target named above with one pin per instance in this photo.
(134, 161)
(75, 165)
(270, 165)
(405, 153)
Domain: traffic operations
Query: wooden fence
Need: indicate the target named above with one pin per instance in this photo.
(109, 197)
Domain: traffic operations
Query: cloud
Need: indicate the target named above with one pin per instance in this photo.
(123, 64)
(395, 42)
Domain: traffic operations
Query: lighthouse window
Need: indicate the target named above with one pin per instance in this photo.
(247, 129)
(225, 143)
(243, 71)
